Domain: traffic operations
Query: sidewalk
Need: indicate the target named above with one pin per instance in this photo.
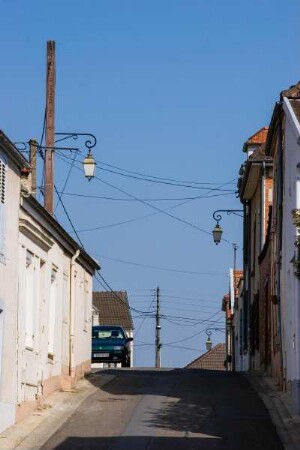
(280, 408)
(36, 429)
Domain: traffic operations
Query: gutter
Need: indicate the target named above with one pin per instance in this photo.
(72, 368)
(263, 205)
(267, 161)
(32, 207)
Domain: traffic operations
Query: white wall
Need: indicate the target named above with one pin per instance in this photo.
(8, 300)
(44, 355)
(290, 284)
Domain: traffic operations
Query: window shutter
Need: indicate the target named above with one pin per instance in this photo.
(3, 176)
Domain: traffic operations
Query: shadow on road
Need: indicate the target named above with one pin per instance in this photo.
(139, 443)
(213, 403)
(180, 409)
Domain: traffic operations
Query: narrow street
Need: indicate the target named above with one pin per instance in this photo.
(169, 409)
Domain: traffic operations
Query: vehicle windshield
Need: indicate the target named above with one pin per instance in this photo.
(107, 333)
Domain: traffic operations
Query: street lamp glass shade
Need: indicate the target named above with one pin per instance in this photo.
(217, 234)
(208, 344)
(89, 166)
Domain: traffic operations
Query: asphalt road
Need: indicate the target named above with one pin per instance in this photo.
(170, 410)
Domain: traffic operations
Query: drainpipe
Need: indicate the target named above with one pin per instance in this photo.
(296, 294)
(263, 206)
(72, 316)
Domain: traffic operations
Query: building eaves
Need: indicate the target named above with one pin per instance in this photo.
(247, 169)
(39, 213)
(12, 152)
(292, 93)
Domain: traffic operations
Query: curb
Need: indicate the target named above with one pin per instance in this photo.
(34, 431)
(279, 407)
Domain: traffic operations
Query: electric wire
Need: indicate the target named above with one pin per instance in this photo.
(102, 197)
(168, 269)
(168, 183)
(199, 332)
(156, 177)
(156, 208)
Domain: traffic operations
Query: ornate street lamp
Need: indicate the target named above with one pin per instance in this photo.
(217, 234)
(89, 163)
(89, 166)
(217, 231)
(208, 342)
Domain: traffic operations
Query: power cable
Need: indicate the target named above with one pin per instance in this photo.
(142, 323)
(102, 197)
(159, 209)
(168, 183)
(61, 193)
(195, 334)
(155, 177)
(148, 266)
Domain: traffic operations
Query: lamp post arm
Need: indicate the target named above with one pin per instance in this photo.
(89, 143)
(217, 216)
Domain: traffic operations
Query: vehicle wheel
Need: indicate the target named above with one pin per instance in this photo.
(126, 362)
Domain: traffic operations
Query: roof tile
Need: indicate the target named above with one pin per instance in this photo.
(113, 308)
(211, 360)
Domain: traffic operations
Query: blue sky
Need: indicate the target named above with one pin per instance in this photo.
(171, 89)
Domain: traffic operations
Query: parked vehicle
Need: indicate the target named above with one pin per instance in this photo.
(110, 344)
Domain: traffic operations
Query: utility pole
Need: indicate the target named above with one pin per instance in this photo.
(32, 159)
(157, 330)
(49, 128)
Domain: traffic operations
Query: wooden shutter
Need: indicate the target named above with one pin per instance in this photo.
(3, 176)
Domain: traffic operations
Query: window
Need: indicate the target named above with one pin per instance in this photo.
(3, 180)
(52, 311)
(87, 305)
(30, 299)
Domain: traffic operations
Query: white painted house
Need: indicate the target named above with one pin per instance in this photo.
(290, 284)
(11, 165)
(54, 307)
(45, 297)
(283, 145)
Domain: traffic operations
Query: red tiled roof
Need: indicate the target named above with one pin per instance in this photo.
(211, 360)
(257, 138)
(113, 308)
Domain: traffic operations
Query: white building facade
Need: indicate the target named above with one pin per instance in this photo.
(11, 165)
(290, 283)
(45, 297)
(54, 307)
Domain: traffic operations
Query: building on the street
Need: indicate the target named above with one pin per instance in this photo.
(229, 302)
(13, 167)
(283, 146)
(269, 189)
(238, 308)
(213, 359)
(54, 307)
(255, 192)
(45, 296)
(112, 308)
